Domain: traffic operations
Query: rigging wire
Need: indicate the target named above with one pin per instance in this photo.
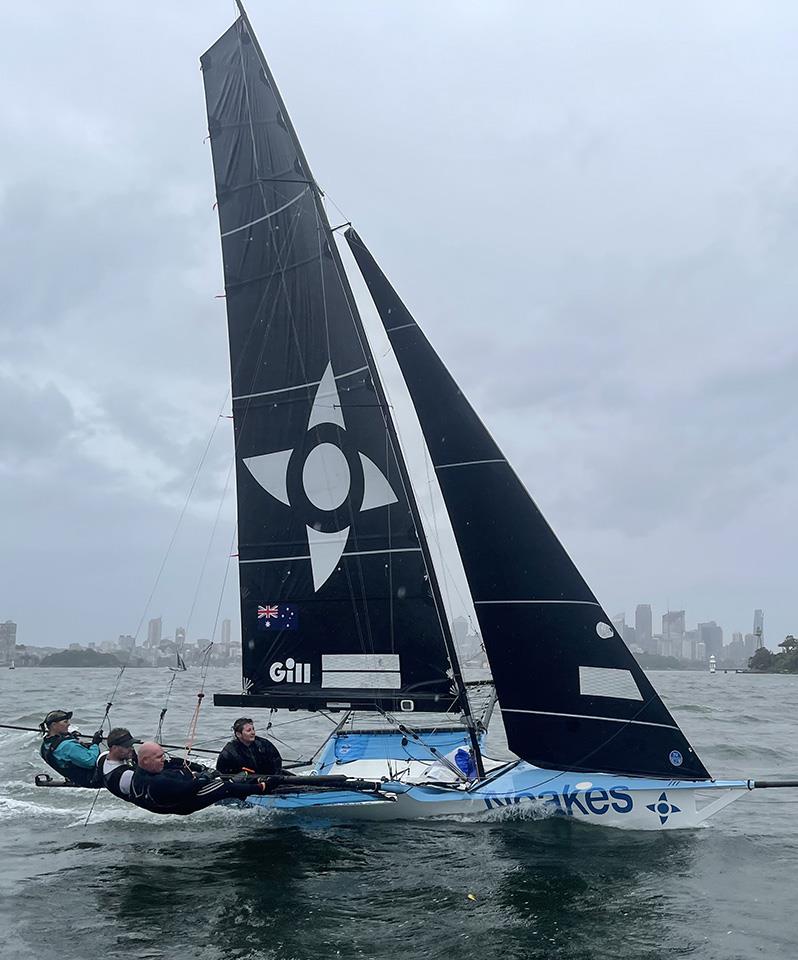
(166, 555)
(165, 707)
(183, 512)
(192, 730)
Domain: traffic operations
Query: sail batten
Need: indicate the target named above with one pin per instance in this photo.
(588, 716)
(571, 693)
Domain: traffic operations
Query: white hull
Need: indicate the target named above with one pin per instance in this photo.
(413, 789)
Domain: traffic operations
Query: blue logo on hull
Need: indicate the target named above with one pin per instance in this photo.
(663, 808)
(570, 802)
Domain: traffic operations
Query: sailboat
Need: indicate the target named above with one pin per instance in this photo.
(181, 665)
(341, 605)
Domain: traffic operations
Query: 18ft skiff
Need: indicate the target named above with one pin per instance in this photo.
(341, 606)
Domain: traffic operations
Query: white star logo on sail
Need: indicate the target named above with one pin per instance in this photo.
(326, 480)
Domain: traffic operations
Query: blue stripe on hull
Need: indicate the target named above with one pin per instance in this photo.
(324, 798)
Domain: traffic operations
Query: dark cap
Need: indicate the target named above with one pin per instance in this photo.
(55, 715)
(239, 725)
(120, 737)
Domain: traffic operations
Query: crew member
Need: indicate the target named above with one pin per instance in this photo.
(248, 752)
(116, 767)
(61, 750)
(171, 786)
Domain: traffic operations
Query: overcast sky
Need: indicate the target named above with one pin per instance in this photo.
(592, 209)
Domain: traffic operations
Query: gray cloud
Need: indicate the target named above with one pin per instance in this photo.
(591, 210)
(37, 423)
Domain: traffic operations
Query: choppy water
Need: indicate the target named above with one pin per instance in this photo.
(240, 884)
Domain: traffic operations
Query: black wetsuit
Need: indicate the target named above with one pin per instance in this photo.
(181, 791)
(111, 781)
(262, 757)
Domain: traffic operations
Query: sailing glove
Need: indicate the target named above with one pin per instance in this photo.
(98, 737)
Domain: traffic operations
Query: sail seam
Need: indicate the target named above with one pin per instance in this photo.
(266, 216)
(468, 463)
(587, 716)
(400, 326)
(346, 553)
(298, 386)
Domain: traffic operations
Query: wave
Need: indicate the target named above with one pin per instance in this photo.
(733, 751)
(11, 809)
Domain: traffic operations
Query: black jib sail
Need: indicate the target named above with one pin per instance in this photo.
(339, 607)
(572, 695)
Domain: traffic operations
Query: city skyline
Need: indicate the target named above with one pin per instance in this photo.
(674, 639)
(697, 643)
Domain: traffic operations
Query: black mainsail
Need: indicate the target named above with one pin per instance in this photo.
(339, 603)
(572, 695)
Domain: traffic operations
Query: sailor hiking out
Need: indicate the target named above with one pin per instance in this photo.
(62, 750)
(248, 752)
(174, 786)
(116, 767)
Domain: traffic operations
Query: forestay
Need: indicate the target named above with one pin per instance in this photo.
(338, 605)
(572, 695)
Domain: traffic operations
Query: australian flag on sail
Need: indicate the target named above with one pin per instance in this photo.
(278, 616)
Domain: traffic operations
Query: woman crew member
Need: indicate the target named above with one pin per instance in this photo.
(248, 752)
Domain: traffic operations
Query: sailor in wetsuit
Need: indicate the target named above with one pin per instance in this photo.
(249, 752)
(61, 751)
(173, 786)
(116, 767)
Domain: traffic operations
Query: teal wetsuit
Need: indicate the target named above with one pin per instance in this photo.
(71, 759)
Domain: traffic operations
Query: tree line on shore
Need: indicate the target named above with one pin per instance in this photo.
(765, 661)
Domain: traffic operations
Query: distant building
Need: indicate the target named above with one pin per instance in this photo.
(759, 627)
(750, 643)
(643, 628)
(689, 645)
(459, 629)
(154, 629)
(8, 641)
(469, 645)
(225, 633)
(735, 651)
(126, 642)
(711, 635)
(673, 632)
(180, 636)
(619, 624)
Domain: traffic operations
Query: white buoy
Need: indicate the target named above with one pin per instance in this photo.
(712, 662)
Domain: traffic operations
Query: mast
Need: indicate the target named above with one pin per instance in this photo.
(305, 177)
